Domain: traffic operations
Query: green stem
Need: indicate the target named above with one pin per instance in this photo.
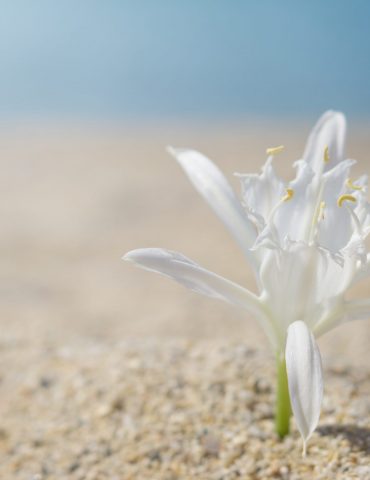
(283, 410)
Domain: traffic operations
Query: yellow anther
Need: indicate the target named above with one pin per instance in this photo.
(326, 154)
(289, 194)
(275, 150)
(345, 198)
(351, 185)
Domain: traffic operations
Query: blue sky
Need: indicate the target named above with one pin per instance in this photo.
(183, 59)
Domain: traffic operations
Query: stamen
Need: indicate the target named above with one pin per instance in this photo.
(321, 215)
(351, 185)
(326, 155)
(275, 150)
(345, 198)
(289, 195)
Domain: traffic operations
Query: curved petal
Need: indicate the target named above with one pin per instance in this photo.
(335, 219)
(293, 219)
(329, 131)
(215, 189)
(342, 312)
(187, 273)
(301, 280)
(184, 271)
(261, 192)
(304, 370)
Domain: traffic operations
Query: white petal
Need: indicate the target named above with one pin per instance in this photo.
(294, 217)
(186, 272)
(335, 229)
(304, 370)
(301, 281)
(262, 192)
(213, 186)
(268, 238)
(362, 206)
(329, 131)
(342, 312)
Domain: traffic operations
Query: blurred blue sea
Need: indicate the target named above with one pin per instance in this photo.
(149, 59)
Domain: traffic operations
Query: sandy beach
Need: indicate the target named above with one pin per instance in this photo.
(109, 372)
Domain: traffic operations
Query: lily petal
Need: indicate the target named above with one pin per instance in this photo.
(307, 274)
(341, 312)
(294, 217)
(304, 370)
(261, 192)
(215, 189)
(187, 273)
(336, 219)
(330, 132)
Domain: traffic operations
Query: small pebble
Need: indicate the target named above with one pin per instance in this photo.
(166, 410)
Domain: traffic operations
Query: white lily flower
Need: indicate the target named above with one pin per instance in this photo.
(305, 243)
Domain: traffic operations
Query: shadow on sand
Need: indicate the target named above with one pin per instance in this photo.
(358, 437)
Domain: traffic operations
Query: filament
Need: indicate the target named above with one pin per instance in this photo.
(326, 155)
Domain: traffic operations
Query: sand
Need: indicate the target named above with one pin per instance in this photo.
(145, 409)
(111, 372)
